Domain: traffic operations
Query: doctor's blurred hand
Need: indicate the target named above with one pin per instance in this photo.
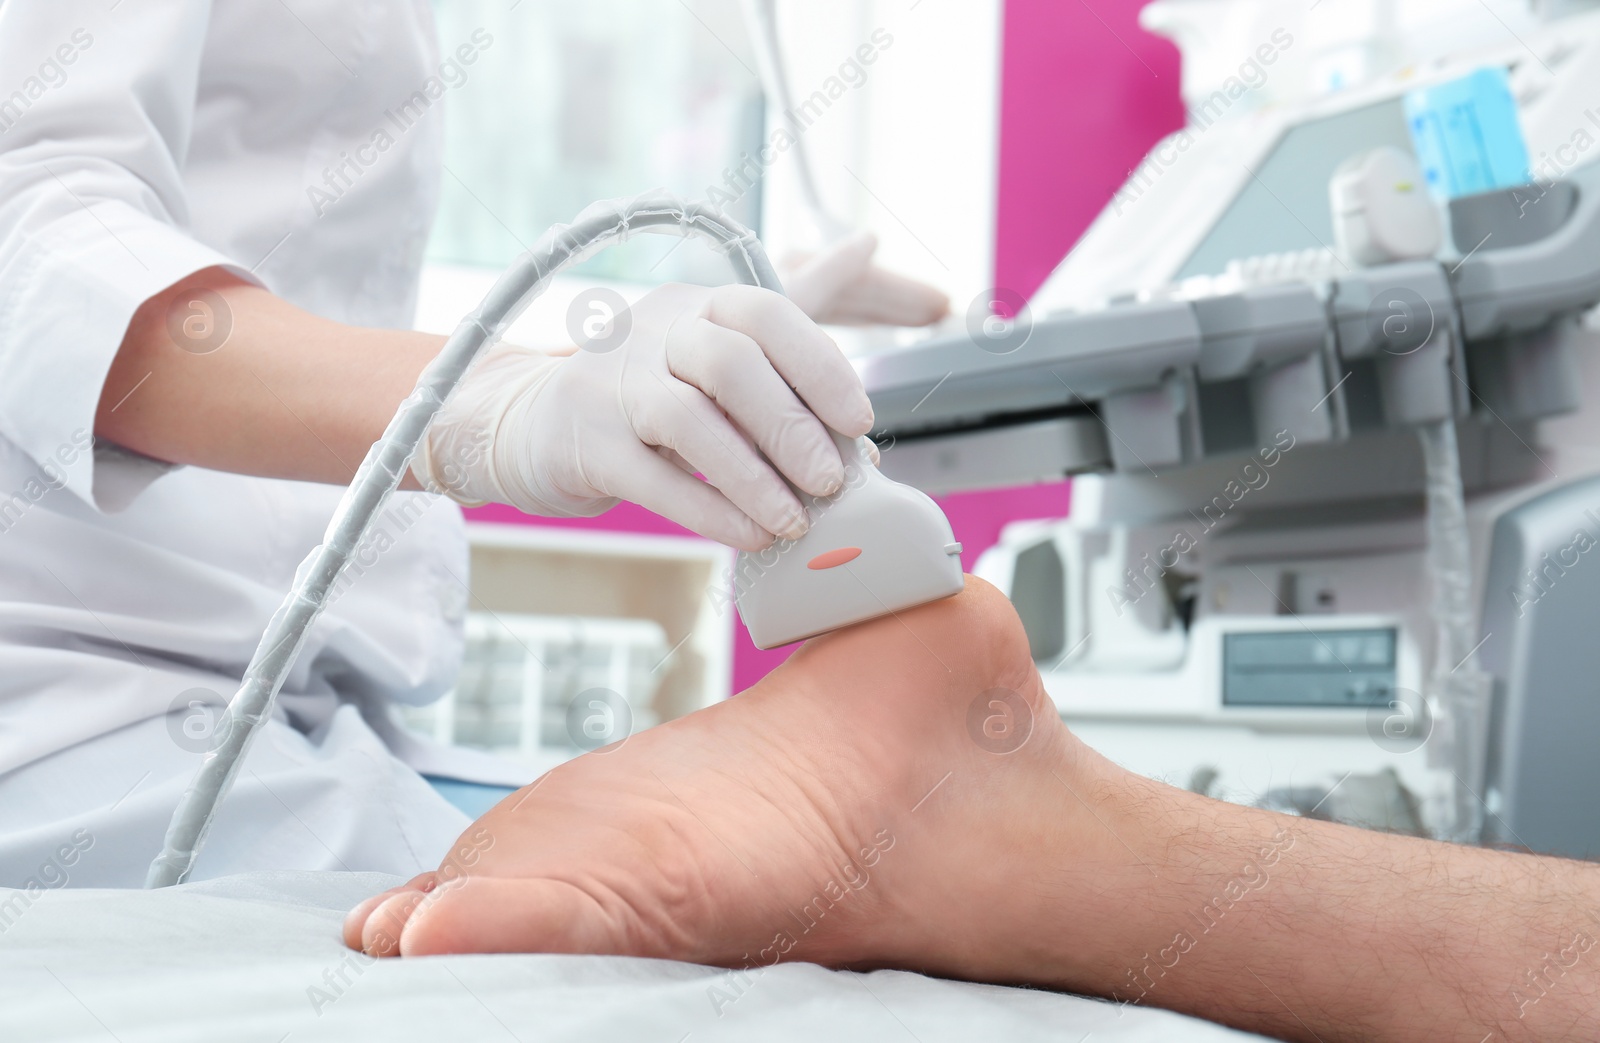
(840, 285)
(689, 379)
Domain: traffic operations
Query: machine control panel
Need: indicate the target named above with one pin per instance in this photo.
(1309, 668)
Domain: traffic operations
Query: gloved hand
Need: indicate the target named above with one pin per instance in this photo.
(840, 285)
(703, 379)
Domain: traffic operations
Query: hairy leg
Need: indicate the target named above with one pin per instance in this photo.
(903, 794)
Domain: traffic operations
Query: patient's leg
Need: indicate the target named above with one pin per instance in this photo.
(903, 794)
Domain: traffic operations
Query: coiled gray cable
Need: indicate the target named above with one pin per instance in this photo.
(600, 225)
(1458, 688)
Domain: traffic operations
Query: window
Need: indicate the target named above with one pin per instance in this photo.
(574, 102)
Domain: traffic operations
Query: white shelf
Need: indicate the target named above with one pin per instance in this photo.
(549, 571)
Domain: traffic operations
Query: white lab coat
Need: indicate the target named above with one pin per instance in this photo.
(146, 141)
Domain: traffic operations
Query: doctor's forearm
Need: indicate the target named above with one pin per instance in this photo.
(286, 394)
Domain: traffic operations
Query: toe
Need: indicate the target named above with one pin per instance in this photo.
(355, 921)
(485, 914)
(380, 935)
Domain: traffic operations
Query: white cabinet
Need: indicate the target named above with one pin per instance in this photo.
(576, 638)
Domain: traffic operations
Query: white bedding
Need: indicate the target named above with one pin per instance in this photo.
(258, 957)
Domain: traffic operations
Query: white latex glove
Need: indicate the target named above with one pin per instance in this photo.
(704, 378)
(840, 285)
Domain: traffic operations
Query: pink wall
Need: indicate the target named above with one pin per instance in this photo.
(1084, 95)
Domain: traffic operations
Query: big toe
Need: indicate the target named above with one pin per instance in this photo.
(491, 914)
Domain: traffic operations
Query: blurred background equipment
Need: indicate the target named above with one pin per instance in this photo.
(1323, 367)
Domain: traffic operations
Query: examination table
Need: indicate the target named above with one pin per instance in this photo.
(257, 957)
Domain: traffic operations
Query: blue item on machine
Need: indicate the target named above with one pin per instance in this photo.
(1466, 134)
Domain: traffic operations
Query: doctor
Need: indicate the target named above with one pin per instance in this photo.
(193, 359)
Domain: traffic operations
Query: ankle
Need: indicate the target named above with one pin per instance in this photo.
(1117, 858)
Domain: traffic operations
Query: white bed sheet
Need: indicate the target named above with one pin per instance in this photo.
(258, 957)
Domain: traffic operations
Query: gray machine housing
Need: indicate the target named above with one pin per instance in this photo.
(1184, 382)
(1541, 592)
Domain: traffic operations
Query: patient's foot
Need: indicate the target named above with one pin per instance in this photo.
(895, 794)
(873, 803)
